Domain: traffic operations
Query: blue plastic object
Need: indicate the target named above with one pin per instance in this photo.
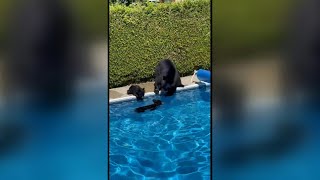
(204, 75)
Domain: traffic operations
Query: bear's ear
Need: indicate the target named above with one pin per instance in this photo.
(164, 77)
(143, 89)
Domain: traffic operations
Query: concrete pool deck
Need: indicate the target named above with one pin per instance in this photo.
(121, 92)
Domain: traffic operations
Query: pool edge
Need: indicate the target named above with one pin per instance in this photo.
(130, 98)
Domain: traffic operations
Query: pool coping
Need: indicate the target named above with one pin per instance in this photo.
(149, 94)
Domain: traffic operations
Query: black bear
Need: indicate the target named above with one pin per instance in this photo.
(167, 78)
(152, 107)
(136, 91)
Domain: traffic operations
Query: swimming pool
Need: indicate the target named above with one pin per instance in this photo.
(64, 144)
(171, 142)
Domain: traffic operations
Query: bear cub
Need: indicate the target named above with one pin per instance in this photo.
(136, 91)
(152, 107)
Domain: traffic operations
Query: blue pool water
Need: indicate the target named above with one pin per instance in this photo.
(300, 160)
(67, 144)
(171, 142)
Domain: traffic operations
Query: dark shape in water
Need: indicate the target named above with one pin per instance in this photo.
(152, 107)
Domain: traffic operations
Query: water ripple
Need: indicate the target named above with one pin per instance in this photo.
(169, 142)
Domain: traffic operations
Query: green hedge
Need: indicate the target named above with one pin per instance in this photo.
(140, 36)
(248, 27)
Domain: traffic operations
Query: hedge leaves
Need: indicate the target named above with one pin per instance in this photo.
(140, 36)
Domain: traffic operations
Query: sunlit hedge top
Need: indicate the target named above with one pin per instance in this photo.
(140, 36)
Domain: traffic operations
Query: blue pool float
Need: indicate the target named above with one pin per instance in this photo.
(202, 75)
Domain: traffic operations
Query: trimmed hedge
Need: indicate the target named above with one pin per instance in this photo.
(140, 36)
(250, 27)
